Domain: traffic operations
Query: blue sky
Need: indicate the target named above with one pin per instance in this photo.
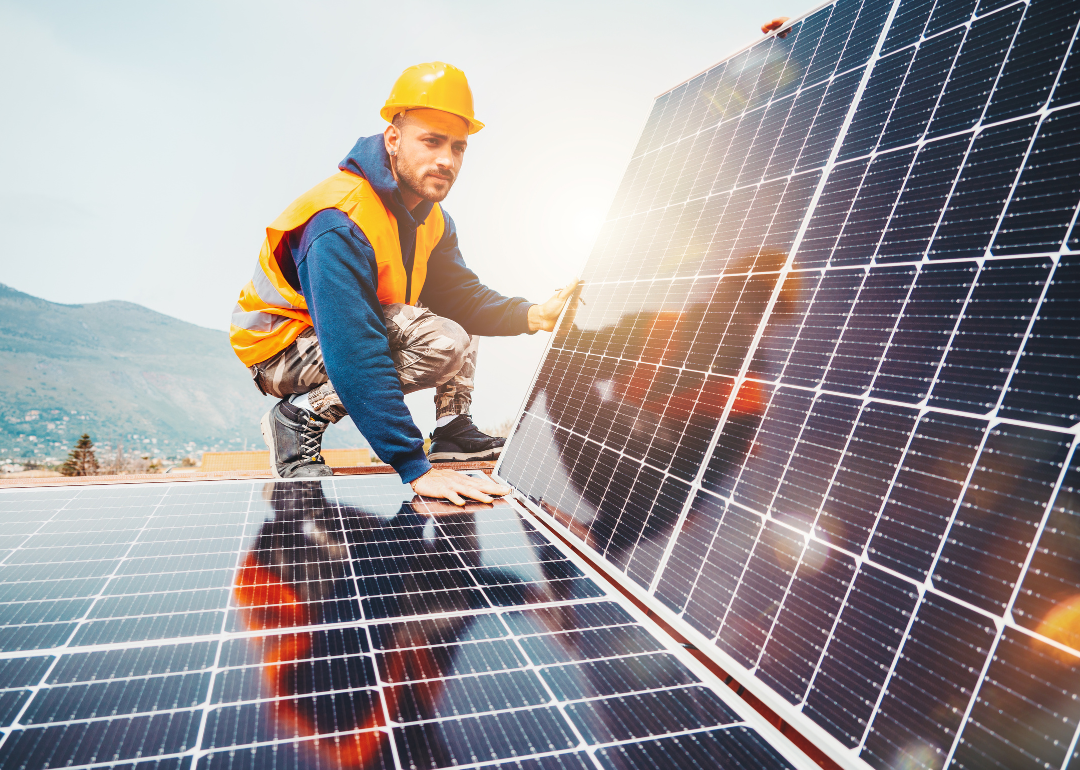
(147, 145)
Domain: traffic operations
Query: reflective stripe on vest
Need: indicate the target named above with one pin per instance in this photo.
(270, 314)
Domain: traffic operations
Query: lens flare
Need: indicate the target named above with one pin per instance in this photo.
(1062, 623)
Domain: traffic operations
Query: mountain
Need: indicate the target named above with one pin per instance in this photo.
(125, 374)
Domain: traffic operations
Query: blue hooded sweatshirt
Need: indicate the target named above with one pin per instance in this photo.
(336, 271)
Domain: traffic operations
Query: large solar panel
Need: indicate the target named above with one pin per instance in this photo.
(818, 402)
(337, 623)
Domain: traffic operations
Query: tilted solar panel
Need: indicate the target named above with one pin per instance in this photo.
(338, 623)
(819, 398)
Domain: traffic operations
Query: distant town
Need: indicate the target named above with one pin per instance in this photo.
(41, 439)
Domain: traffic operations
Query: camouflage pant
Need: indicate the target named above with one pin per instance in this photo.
(428, 351)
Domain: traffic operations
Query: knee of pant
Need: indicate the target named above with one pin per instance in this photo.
(455, 347)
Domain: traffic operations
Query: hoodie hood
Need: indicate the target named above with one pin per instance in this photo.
(368, 158)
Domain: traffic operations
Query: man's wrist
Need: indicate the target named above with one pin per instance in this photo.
(414, 467)
(534, 319)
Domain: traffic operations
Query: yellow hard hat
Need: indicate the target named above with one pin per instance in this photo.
(435, 86)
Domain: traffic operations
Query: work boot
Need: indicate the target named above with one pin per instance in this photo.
(294, 436)
(460, 441)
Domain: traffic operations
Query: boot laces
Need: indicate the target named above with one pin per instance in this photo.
(311, 439)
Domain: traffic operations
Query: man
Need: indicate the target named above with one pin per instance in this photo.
(361, 296)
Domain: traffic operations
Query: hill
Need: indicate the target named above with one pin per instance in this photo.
(125, 374)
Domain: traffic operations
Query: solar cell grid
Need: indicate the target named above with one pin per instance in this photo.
(342, 623)
(880, 283)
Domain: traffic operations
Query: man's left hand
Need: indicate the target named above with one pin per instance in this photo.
(544, 317)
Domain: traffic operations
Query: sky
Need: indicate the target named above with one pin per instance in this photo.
(146, 146)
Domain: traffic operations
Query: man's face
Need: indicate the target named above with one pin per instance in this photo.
(429, 147)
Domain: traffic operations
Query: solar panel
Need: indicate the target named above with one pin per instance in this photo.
(818, 402)
(331, 623)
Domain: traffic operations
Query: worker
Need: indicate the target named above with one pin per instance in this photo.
(361, 296)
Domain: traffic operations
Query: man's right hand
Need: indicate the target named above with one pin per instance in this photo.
(543, 317)
(453, 486)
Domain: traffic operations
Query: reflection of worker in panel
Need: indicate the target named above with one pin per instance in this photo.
(361, 296)
(666, 419)
(297, 577)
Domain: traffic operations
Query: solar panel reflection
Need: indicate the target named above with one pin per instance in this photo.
(333, 623)
(820, 398)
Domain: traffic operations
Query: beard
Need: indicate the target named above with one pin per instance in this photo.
(420, 184)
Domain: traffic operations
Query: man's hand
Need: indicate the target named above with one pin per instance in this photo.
(544, 317)
(454, 486)
(776, 23)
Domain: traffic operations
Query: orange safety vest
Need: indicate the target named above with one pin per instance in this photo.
(270, 314)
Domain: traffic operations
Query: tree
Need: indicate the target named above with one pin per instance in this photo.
(81, 460)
